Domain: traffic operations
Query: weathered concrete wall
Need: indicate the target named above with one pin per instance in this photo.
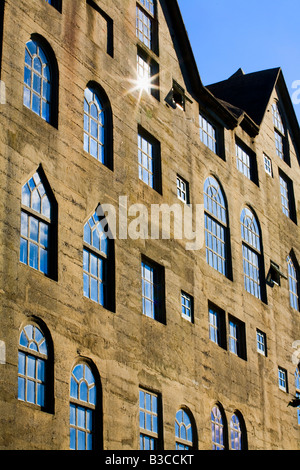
(129, 350)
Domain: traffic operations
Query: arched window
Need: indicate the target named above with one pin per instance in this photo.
(252, 252)
(97, 124)
(183, 431)
(37, 80)
(38, 216)
(83, 401)
(94, 125)
(217, 428)
(235, 433)
(216, 226)
(98, 264)
(32, 366)
(293, 283)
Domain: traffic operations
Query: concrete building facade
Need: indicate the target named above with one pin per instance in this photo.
(140, 340)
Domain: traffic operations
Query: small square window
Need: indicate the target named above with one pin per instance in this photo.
(261, 342)
(282, 379)
(187, 306)
(268, 165)
(182, 190)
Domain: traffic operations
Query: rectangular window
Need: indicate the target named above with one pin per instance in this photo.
(243, 161)
(94, 276)
(287, 196)
(233, 337)
(149, 161)
(152, 290)
(34, 243)
(187, 306)
(279, 144)
(144, 27)
(261, 342)
(207, 133)
(216, 321)
(284, 191)
(149, 420)
(146, 165)
(147, 74)
(282, 379)
(143, 74)
(182, 190)
(246, 162)
(237, 337)
(268, 165)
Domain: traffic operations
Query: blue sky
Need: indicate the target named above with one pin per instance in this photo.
(254, 35)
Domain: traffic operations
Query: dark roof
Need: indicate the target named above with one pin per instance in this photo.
(249, 92)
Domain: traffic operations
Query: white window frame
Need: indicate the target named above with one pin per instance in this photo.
(182, 190)
(268, 165)
(282, 379)
(186, 306)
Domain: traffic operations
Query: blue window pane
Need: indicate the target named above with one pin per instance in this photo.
(27, 76)
(81, 440)
(86, 285)
(73, 389)
(37, 65)
(86, 122)
(36, 104)
(92, 396)
(89, 442)
(40, 394)
(83, 392)
(78, 371)
(21, 363)
(94, 265)
(26, 97)
(33, 256)
(45, 111)
(94, 129)
(93, 148)
(40, 370)
(72, 439)
(81, 417)
(94, 290)
(31, 362)
(34, 229)
(21, 388)
(30, 391)
(28, 59)
(37, 84)
(23, 251)
(46, 90)
(44, 234)
(72, 414)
